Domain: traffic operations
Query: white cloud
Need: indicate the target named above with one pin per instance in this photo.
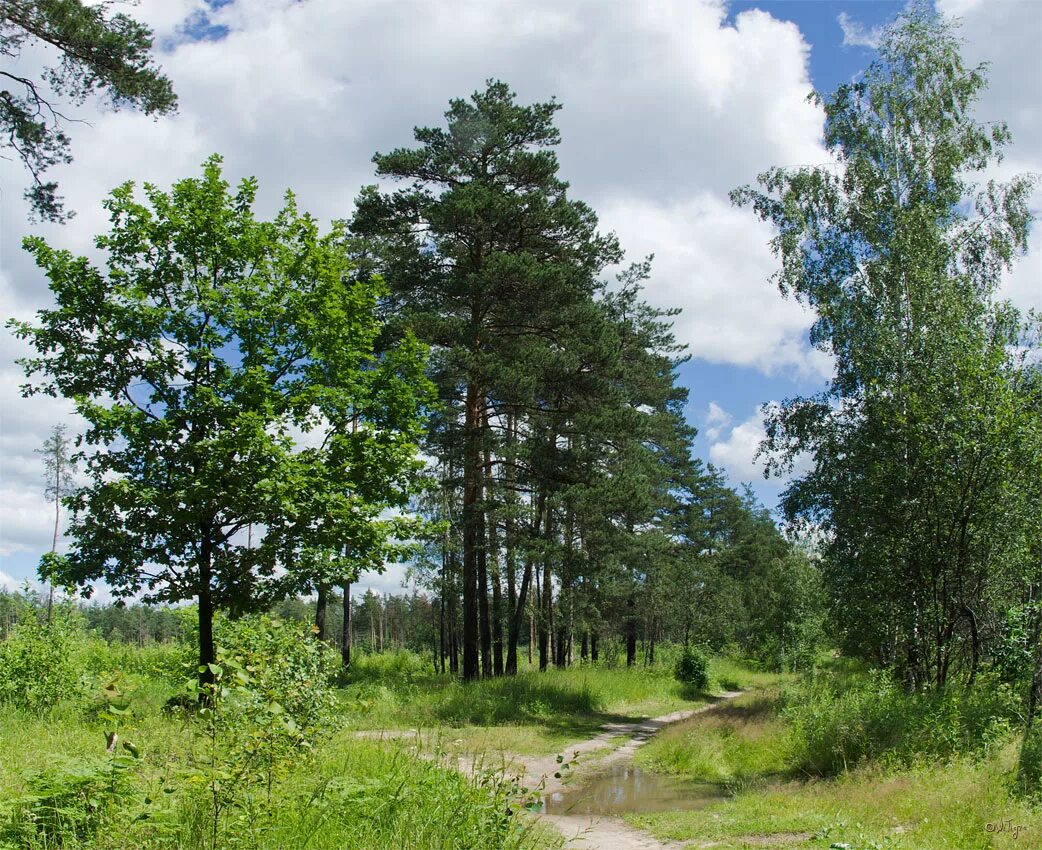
(714, 260)
(8, 583)
(1008, 37)
(856, 34)
(716, 419)
(737, 453)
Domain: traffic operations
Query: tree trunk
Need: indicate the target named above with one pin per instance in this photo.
(453, 618)
(511, 618)
(345, 636)
(651, 643)
(471, 529)
(594, 656)
(207, 655)
(441, 619)
(519, 611)
(541, 619)
(631, 633)
(484, 619)
(382, 608)
(531, 632)
(320, 611)
(497, 618)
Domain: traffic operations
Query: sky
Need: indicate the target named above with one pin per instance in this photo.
(668, 105)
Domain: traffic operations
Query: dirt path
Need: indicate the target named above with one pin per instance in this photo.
(600, 832)
(587, 832)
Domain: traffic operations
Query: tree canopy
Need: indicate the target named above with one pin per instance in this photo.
(93, 52)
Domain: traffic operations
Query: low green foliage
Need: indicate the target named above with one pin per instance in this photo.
(692, 669)
(399, 690)
(164, 661)
(284, 664)
(840, 721)
(922, 807)
(37, 670)
(70, 802)
(1029, 765)
(364, 794)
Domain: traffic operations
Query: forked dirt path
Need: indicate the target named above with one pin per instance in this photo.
(602, 832)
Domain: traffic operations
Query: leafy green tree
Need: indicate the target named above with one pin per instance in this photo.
(199, 355)
(921, 466)
(100, 54)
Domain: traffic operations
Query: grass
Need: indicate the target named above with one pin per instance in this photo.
(354, 791)
(927, 807)
(850, 761)
(531, 713)
(737, 743)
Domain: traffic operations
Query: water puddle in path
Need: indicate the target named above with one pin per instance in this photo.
(626, 788)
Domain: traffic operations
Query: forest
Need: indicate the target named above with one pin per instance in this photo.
(602, 643)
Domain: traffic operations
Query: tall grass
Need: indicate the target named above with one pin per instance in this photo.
(396, 690)
(839, 721)
(734, 744)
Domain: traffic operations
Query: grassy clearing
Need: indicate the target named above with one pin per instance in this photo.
(354, 793)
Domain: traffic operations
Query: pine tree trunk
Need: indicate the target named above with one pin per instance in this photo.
(497, 618)
(631, 632)
(382, 607)
(514, 611)
(594, 656)
(519, 609)
(345, 637)
(484, 618)
(471, 529)
(541, 619)
(441, 619)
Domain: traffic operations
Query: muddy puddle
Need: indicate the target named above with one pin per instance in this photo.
(626, 788)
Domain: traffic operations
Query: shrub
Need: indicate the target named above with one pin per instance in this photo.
(269, 702)
(1029, 767)
(36, 666)
(692, 669)
(166, 661)
(285, 665)
(838, 722)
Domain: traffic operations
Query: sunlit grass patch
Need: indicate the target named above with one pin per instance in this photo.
(739, 742)
(925, 807)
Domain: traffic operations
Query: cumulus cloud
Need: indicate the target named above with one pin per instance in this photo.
(736, 453)
(667, 107)
(714, 260)
(856, 34)
(716, 419)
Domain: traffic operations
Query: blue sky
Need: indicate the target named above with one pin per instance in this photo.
(668, 105)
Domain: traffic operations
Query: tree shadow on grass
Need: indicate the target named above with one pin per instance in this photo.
(565, 708)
